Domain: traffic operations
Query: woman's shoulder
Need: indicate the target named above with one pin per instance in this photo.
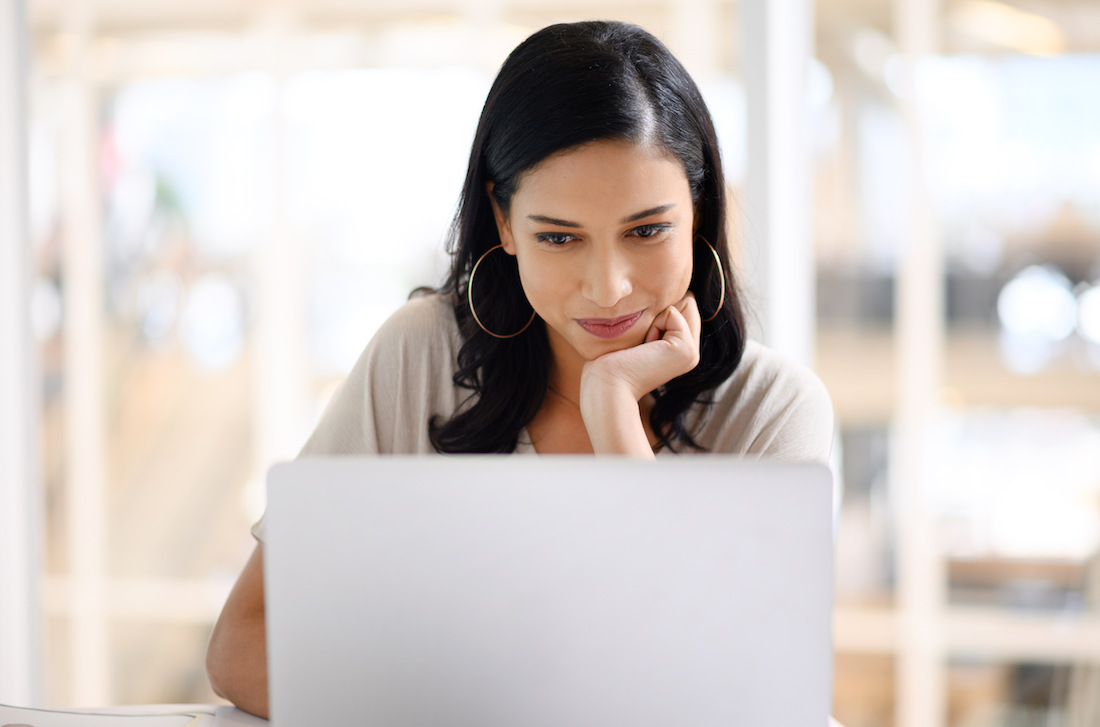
(405, 372)
(423, 312)
(771, 405)
(420, 337)
(426, 322)
(764, 371)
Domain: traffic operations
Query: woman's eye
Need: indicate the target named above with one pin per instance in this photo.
(554, 238)
(649, 230)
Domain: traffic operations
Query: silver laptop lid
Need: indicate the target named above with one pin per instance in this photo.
(549, 592)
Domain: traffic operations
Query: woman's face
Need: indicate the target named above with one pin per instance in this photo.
(603, 237)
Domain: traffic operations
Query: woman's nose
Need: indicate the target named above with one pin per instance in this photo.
(606, 278)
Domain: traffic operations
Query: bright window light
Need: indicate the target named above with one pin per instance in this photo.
(1088, 314)
(1038, 303)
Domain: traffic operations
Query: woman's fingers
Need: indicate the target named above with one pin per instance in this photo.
(684, 319)
(670, 348)
(689, 309)
(683, 336)
(688, 319)
(657, 329)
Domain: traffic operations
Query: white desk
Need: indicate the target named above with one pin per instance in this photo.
(153, 715)
(158, 715)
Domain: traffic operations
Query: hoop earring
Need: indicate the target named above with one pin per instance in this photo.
(721, 277)
(470, 300)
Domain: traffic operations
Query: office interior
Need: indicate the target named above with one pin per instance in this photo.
(225, 199)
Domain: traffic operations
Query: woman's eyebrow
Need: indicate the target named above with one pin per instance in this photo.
(660, 210)
(551, 221)
(649, 213)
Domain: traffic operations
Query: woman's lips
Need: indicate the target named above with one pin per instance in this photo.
(609, 327)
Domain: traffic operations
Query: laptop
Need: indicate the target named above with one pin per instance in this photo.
(524, 591)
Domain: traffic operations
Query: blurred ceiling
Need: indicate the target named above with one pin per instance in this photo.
(367, 32)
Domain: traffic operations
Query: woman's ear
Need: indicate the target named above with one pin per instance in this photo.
(504, 228)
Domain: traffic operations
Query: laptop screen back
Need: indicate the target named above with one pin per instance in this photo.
(549, 592)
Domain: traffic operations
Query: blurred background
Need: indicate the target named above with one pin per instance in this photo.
(227, 197)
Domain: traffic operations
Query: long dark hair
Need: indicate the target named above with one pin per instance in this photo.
(564, 86)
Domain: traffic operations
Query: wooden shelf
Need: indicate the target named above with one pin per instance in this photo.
(858, 368)
(989, 632)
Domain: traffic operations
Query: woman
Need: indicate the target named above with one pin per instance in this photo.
(590, 306)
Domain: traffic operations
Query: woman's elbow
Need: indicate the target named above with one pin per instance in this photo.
(237, 668)
(216, 667)
(236, 657)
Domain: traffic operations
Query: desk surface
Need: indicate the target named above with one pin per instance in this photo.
(152, 715)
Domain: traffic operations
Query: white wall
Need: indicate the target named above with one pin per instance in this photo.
(20, 513)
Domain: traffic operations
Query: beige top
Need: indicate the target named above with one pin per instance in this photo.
(770, 406)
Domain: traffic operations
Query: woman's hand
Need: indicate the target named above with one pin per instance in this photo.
(670, 349)
(613, 384)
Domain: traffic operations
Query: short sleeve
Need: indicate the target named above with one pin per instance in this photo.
(399, 383)
(770, 407)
